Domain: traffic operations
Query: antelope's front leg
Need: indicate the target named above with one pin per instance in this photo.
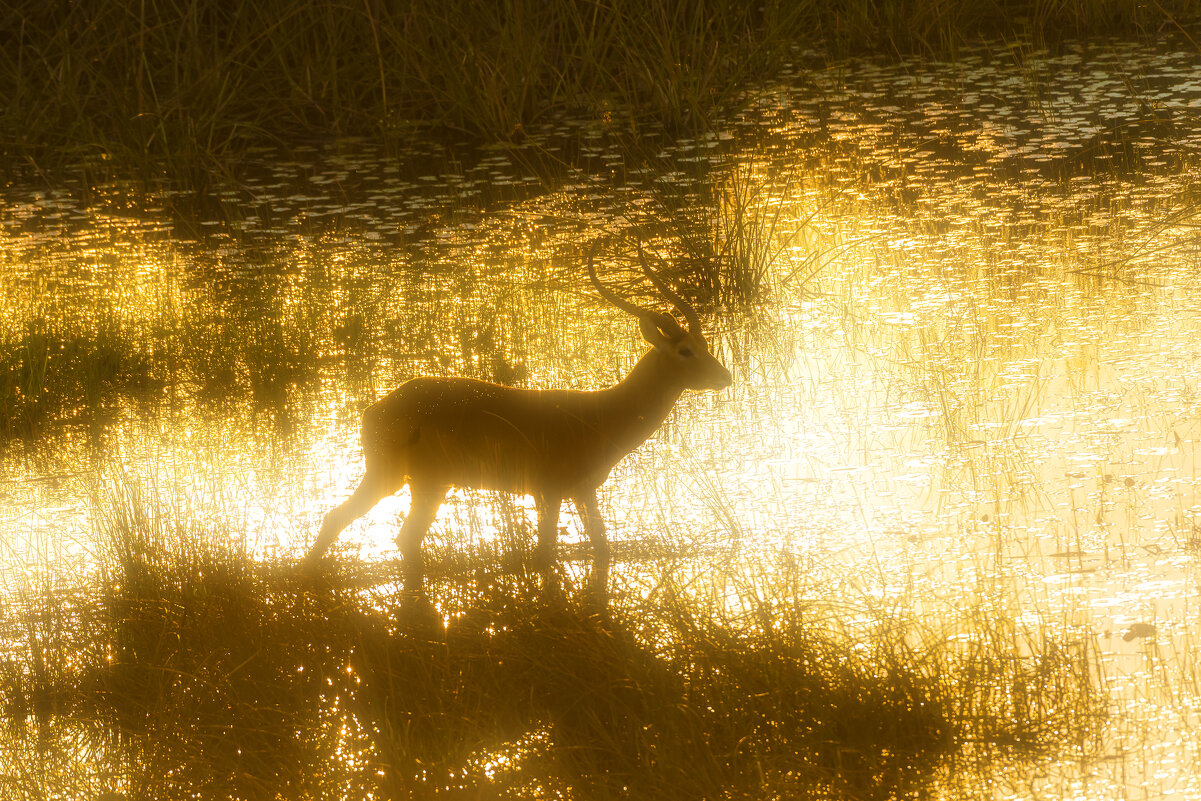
(594, 525)
(548, 529)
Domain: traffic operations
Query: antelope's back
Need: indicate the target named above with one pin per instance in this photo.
(469, 433)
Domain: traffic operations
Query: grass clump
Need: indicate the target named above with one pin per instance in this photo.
(200, 671)
(214, 680)
(182, 671)
(193, 87)
(190, 89)
(54, 374)
(258, 345)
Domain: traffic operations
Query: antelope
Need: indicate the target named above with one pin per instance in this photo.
(434, 433)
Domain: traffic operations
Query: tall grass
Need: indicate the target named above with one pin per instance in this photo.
(190, 86)
(258, 343)
(187, 88)
(187, 668)
(54, 374)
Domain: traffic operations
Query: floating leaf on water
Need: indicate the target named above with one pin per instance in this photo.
(1137, 631)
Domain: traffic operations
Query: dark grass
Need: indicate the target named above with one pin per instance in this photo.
(171, 91)
(56, 374)
(186, 669)
(87, 368)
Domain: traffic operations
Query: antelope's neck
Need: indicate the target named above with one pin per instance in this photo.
(640, 402)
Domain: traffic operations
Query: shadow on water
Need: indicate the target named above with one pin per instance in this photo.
(191, 670)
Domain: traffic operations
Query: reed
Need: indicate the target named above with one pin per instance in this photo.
(187, 667)
(55, 372)
(183, 91)
(262, 344)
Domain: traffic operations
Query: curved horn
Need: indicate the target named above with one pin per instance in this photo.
(608, 294)
(683, 306)
(656, 326)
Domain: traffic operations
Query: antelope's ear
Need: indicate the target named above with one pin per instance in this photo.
(661, 330)
(652, 333)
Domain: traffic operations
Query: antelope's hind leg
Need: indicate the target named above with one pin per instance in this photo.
(372, 488)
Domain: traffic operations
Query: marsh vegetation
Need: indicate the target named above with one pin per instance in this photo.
(177, 93)
(938, 540)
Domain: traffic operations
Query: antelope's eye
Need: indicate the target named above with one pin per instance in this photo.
(686, 352)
